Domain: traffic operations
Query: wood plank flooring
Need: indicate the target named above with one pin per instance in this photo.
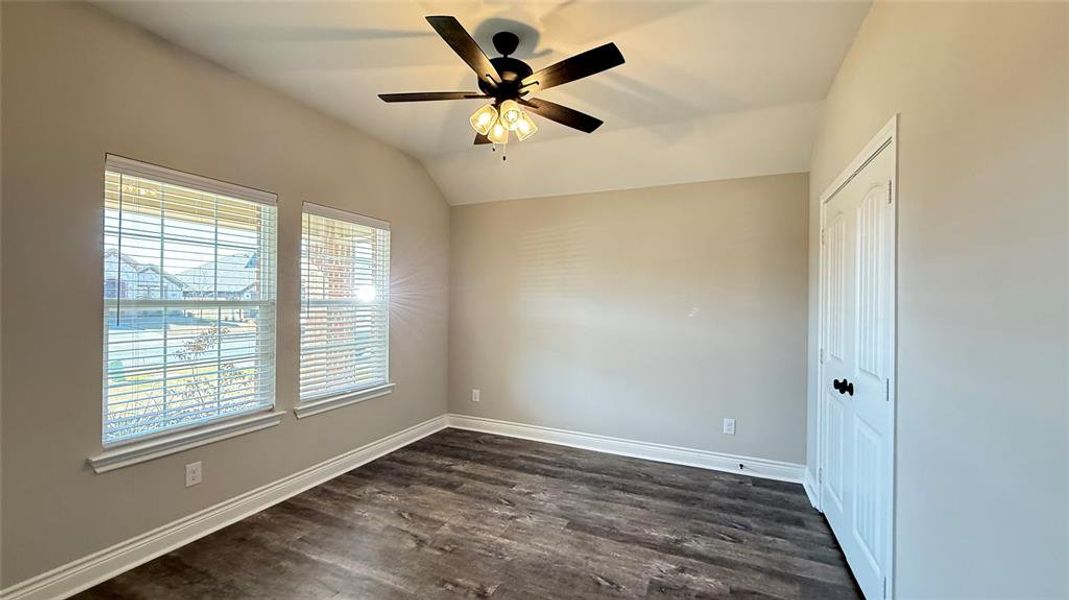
(463, 514)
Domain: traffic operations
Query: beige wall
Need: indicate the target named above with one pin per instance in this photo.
(982, 501)
(647, 314)
(78, 83)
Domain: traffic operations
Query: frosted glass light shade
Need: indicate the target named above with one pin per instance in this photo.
(483, 120)
(526, 127)
(511, 114)
(498, 134)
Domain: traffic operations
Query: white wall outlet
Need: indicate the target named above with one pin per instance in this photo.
(194, 474)
(475, 394)
(729, 426)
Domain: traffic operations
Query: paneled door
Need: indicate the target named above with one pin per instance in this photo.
(856, 386)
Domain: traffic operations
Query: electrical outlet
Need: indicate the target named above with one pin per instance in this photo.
(729, 426)
(475, 394)
(194, 474)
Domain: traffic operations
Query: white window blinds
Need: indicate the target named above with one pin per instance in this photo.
(345, 300)
(189, 300)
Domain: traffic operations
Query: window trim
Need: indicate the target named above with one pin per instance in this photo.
(166, 443)
(344, 215)
(126, 452)
(310, 408)
(137, 168)
(318, 405)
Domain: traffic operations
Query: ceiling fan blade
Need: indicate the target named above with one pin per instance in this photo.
(579, 66)
(563, 115)
(429, 96)
(462, 43)
(481, 139)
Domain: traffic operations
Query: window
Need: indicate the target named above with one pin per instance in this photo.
(189, 300)
(345, 299)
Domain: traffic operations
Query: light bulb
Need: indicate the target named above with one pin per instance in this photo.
(483, 119)
(526, 127)
(498, 134)
(511, 114)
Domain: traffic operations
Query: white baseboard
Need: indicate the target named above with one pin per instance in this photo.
(703, 459)
(80, 574)
(810, 485)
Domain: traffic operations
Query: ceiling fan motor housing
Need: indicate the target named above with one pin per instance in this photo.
(510, 70)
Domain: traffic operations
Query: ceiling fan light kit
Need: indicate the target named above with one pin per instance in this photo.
(496, 123)
(509, 83)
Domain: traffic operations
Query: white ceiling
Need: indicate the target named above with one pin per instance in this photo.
(709, 90)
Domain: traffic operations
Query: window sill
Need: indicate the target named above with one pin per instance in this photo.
(139, 452)
(323, 405)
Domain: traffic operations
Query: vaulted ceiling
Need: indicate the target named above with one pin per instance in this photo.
(710, 90)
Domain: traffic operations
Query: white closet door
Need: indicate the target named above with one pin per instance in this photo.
(857, 412)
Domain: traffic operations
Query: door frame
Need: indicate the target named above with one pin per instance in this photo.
(887, 138)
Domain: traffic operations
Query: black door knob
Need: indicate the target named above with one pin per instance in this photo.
(843, 386)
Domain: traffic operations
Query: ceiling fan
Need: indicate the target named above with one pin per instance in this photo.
(509, 83)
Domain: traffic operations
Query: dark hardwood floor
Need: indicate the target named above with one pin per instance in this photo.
(462, 514)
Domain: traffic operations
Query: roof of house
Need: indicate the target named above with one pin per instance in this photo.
(236, 273)
(142, 267)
